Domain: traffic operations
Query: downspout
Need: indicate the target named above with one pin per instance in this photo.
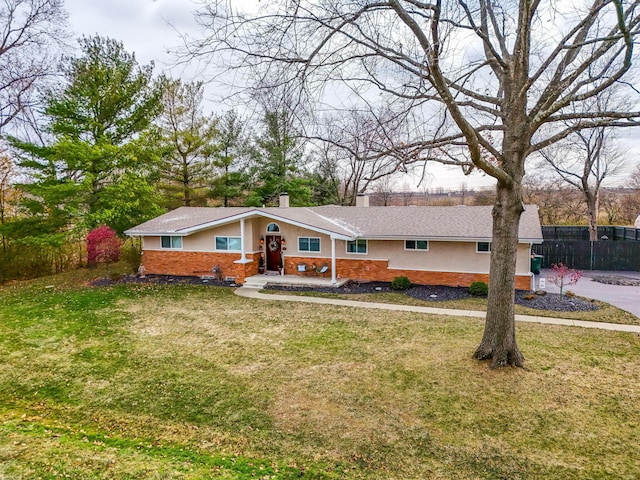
(533, 276)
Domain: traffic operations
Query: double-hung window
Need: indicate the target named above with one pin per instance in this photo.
(231, 244)
(171, 241)
(308, 244)
(357, 246)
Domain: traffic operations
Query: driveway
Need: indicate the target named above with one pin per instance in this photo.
(624, 297)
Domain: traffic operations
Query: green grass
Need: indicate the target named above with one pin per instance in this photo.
(606, 313)
(164, 382)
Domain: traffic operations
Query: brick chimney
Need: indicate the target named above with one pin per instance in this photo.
(362, 200)
(284, 200)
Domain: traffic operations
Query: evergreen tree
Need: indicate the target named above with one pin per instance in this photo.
(98, 124)
(277, 163)
(231, 179)
(188, 144)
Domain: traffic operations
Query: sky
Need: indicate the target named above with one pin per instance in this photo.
(149, 28)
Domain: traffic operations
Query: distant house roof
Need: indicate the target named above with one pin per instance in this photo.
(473, 223)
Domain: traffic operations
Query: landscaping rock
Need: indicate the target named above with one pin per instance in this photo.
(429, 293)
(616, 280)
(161, 280)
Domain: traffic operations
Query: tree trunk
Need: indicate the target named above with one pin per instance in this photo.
(226, 182)
(592, 214)
(499, 338)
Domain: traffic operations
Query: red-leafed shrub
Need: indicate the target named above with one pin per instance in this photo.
(103, 245)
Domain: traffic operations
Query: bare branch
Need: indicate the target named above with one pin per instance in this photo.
(30, 30)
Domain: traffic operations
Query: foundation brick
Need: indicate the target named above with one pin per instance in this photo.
(378, 270)
(180, 263)
(176, 262)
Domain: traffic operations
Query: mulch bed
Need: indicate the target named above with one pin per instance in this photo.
(428, 293)
(160, 280)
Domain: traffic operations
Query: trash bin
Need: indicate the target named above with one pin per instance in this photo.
(536, 263)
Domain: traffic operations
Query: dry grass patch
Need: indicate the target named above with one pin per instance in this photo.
(351, 382)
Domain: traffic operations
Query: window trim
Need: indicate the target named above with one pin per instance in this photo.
(171, 240)
(310, 251)
(483, 251)
(276, 230)
(416, 249)
(356, 241)
(228, 237)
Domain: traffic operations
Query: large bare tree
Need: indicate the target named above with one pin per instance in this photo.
(586, 158)
(350, 142)
(29, 31)
(634, 178)
(485, 85)
(584, 161)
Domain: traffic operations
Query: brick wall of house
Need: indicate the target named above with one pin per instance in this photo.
(250, 268)
(370, 270)
(176, 262)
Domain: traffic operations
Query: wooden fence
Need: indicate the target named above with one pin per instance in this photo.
(619, 251)
(555, 232)
(585, 255)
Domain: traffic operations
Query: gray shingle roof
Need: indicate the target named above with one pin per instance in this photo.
(183, 218)
(462, 222)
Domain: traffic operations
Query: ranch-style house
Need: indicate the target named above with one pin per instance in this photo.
(431, 245)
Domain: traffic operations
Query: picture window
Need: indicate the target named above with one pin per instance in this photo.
(233, 244)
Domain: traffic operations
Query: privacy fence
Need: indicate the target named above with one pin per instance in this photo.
(618, 248)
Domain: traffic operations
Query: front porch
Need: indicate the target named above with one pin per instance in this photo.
(260, 280)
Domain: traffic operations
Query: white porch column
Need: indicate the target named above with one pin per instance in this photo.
(333, 261)
(243, 258)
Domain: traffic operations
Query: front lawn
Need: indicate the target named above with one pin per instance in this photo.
(178, 381)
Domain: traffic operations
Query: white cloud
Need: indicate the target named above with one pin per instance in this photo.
(146, 27)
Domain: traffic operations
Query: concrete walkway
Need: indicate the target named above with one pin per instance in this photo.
(249, 292)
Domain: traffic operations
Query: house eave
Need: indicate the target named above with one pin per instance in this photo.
(183, 232)
(330, 233)
(155, 234)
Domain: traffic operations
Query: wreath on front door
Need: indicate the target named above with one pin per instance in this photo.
(274, 245)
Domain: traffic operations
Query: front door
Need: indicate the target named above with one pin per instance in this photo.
(273, 252)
